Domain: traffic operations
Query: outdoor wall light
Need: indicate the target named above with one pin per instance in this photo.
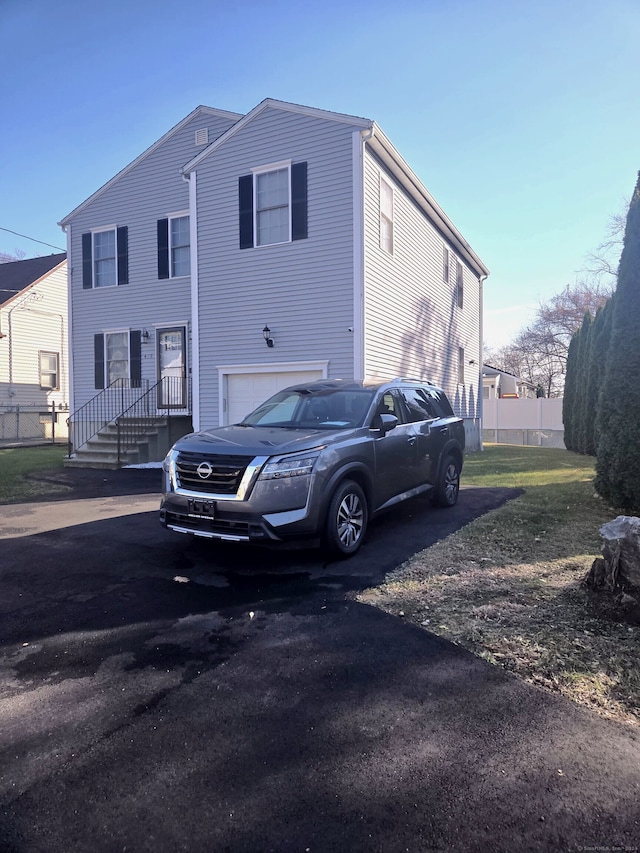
(144, 334)
(472, 361)
(266, 332)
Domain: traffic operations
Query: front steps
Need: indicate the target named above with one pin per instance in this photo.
(151, 445)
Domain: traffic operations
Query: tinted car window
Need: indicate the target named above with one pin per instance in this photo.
(333, 409)
(420, 404)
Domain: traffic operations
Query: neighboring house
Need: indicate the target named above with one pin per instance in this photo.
(240, 254)
(34, 386)
(502, 385)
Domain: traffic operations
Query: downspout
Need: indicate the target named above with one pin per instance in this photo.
(360, 139)
(195, 321)
(481, 282)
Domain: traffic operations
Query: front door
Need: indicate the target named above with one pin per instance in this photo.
(172, 368)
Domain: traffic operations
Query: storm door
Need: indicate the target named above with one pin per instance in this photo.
(171, 368)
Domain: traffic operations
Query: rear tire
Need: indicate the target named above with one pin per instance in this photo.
(347, 518)
(448, 483)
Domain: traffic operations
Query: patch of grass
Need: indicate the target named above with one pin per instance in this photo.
(18, 463)
(508, 586)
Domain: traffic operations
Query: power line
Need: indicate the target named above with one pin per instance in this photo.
(51, 246)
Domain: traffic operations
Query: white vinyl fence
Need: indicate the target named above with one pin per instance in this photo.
(532, 422)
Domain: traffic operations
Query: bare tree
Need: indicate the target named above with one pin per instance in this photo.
(18, 255)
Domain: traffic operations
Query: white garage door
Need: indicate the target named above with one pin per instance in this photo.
(245, 391)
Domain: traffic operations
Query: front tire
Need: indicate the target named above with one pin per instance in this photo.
(448, 483)
(347, 519)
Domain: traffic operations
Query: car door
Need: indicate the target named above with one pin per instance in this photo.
(395, 451)
(425, 418)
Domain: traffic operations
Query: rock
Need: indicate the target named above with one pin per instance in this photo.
(621, 551)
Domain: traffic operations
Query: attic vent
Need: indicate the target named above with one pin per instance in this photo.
(202, 136)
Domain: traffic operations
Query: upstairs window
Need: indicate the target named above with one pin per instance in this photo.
(460, 365)
(174, 252)
(459, 284)
(49, 370)
(386, 216)
(105, 258)
(273, 205)
(445, 264)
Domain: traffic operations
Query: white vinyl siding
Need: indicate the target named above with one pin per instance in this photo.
(412, 323)
(33, 332)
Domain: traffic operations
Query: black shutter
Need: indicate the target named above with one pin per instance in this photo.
(123, 255)
(299, 201)
(245, 204)
(87, 277)
(163, 248)
(98, 360)
(135, 359)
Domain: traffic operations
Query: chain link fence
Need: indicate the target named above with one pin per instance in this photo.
(24, 424)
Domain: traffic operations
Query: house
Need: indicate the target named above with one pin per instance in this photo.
(242, 253)
(34, 386)
(501, 385)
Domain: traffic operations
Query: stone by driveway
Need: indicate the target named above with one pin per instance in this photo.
(158, 694)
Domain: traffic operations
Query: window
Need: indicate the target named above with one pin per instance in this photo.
(419, 404)
(117, 359)
(386, 216)
(49, 376)
(445, 264)
(459, 283)
(460, 365)
(174, 256)
(273, 205)
(105, 258)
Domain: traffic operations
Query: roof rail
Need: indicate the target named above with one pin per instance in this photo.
(412, 379)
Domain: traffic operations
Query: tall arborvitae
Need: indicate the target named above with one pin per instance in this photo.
(599, 356)
(582, 377)
(618, 460)
(569, 399)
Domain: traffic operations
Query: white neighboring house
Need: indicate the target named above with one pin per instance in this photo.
(243, 253)
(34, 379)
(499, 384)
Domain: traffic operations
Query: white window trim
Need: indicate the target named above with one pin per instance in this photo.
(262, 170)
(106, 332)
(56, 387)
(102, 230)
(169, 217)
(391, 221)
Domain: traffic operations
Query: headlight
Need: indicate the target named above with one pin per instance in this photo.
(289, 466)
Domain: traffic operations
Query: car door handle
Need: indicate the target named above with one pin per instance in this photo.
(412, 440)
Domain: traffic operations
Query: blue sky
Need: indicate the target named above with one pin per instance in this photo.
(521, 117)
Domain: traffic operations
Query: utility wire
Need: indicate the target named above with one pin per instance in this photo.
(51, 246)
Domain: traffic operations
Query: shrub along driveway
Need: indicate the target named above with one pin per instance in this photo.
(159, 694)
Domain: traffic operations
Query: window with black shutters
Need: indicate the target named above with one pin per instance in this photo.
(272, 205)
(105, 257)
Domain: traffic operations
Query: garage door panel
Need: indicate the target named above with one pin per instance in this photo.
(245, 391)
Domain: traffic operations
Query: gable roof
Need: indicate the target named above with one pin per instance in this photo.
(198, 110)
(15, 276)
(270, 103)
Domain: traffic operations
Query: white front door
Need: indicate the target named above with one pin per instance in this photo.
(172, 368)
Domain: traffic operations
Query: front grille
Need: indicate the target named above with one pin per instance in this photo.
(223, 473)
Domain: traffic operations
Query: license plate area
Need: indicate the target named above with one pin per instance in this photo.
(202, 509)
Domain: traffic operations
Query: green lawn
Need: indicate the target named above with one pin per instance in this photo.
(17, 463)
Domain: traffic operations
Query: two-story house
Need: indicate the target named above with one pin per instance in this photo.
(34, 387)
(240, 254)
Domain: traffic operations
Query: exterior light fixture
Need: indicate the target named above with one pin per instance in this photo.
(144, 334)
(266, 332)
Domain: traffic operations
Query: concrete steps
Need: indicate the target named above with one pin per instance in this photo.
(150, 444)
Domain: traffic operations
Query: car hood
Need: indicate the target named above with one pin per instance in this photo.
(258, 441)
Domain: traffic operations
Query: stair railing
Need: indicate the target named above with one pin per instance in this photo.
(101, 410)
(149, 410)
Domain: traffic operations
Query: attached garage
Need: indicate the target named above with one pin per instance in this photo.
(244, 387)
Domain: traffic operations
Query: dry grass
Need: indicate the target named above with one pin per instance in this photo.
(508, 586)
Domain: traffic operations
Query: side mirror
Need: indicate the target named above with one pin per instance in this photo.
(387, 423)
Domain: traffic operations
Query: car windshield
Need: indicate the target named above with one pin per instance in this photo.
(301, 408)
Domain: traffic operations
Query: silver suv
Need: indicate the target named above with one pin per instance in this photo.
(315, 461)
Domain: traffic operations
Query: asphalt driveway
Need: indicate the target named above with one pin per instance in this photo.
(159, 694)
